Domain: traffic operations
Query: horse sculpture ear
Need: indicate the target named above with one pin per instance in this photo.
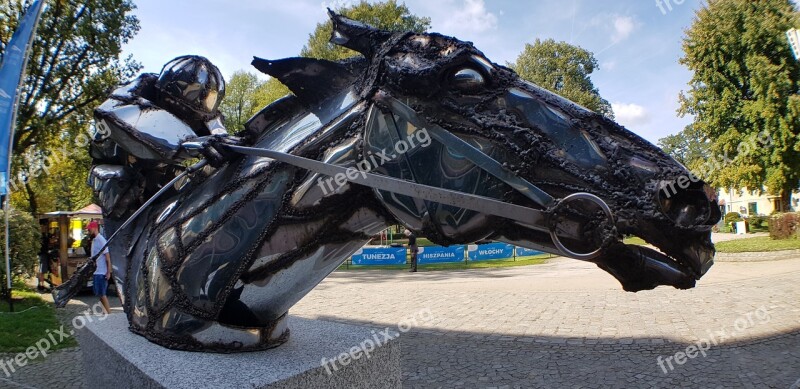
(310, 79)
(356, 35)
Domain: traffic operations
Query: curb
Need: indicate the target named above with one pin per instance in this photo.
(760, 256)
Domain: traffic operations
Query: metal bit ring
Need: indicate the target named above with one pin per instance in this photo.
(557, 242)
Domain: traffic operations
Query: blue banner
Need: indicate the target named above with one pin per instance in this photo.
(526, 252)
(439, 254)
(11, 71)
(380, 256)
(484, 252)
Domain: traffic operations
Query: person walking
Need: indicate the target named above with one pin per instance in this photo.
(103, 272)
(44, 265)
(412, 247)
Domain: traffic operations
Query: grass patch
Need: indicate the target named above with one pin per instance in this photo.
(29, 322)
(757, 244)
(421, 242)
(745, 245)
(520, 261)
(635, 240)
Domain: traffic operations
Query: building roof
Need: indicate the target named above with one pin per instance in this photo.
(91, 210)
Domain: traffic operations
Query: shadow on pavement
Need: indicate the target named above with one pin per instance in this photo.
(456, 359)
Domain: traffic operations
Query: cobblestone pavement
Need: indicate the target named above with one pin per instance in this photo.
(562, 324)
(569, 324)
(61, 369)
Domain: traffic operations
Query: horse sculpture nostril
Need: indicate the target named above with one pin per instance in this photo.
(692, 206)
(686, 216)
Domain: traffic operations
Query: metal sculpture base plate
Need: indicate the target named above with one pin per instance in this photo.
(115, 357)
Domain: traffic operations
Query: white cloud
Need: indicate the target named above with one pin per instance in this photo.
(623, 27)
(472, 16)
(630, 115)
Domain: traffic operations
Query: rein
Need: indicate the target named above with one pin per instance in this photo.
(537, 219)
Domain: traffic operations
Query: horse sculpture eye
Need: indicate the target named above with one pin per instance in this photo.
(467, 80)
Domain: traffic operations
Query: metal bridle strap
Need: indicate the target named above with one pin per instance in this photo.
(528, 216)
(191, 169)
(496, 169)
(458, 145)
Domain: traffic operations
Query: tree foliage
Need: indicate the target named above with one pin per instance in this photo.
(563, 69)
(273, 90)
(24, 244)
(743, 90)
(384, 15)
(245, 95)
(57, 176)
(74, 61)
(687, 147)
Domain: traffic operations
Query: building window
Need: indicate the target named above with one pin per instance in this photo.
(752, 209)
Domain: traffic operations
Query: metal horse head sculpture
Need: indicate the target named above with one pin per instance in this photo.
(425, 131)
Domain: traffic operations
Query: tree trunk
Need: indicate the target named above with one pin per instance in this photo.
(33, 207)
(786, 200)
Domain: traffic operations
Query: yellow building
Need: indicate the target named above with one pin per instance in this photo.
(751, 203)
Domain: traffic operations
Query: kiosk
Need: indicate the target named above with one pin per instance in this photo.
(63, 233)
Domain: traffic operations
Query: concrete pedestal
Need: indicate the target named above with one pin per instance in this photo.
(116, 358)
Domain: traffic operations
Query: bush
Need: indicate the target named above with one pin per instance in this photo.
(732, 217)
(783, 225)
(723, 228)
(757, 222)
(24, 245)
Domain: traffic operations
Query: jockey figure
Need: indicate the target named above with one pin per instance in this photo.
(144, 128)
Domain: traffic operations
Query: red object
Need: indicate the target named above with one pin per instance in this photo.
(92, 224)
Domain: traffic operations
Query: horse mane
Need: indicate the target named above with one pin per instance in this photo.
(313, 80)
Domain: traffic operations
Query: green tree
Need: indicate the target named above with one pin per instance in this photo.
(58, 178)
(273, 90)
(24, 244)
(384, 15)
(245, 95)
(563, 69)
(74, 61)
(744, 86)
(687, 147)
(56, 172)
